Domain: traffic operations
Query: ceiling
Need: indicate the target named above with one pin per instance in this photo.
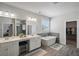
(49, 9)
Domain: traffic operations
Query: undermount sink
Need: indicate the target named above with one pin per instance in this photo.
(6, 38)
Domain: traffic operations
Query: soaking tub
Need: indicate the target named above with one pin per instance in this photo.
(48, 40)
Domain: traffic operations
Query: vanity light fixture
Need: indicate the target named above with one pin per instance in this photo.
(7, 14)
(34, 19)
(31, 19)
(1, 13)
(28, 18)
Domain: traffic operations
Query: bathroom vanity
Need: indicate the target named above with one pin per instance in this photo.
(13, 46)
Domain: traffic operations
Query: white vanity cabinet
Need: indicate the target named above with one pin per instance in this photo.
(9, 49)
(13, 49)
(4, 49)
(34, 43)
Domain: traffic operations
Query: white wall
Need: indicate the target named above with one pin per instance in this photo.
(58, 25)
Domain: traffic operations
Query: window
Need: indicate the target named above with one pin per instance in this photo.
(45, 25)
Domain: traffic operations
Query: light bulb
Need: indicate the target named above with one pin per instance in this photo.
(12, 15)
(34, 19)
(31, 19)
(6, 14)
(1, 13)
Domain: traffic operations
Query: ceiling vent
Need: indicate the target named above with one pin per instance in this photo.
(55, 2)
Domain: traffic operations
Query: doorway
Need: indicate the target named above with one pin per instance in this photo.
(71, 33)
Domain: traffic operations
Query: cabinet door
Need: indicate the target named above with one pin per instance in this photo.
(4, 49)
(13, 49)
(9, 49)
(35, 43)
(0, 49)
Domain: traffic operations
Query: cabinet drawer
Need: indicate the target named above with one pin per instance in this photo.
(4, 45)
(14, 43)
(34, 39)
(13, 50)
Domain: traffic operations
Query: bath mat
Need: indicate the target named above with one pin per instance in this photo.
(57, 46)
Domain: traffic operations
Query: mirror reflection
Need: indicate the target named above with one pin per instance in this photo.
(6, 27)
(20, 27)
(17, 27)
(7, 30)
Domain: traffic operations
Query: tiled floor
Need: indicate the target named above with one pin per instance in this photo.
(67, 50)
(71, 43)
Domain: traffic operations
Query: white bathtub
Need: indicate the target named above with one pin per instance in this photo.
(48, 40)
